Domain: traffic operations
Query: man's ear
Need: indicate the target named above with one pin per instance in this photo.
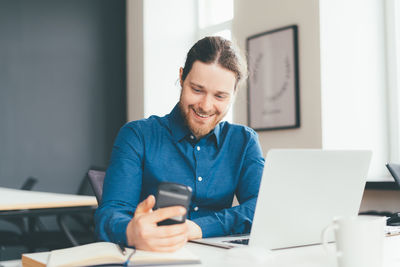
(180, 76)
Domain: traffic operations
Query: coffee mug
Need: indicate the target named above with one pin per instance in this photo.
(359, 240)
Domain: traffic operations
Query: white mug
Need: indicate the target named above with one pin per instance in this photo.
(359, 240)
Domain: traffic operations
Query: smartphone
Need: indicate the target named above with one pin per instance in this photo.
(173, 194)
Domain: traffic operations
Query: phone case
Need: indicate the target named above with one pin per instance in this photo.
(173, 194)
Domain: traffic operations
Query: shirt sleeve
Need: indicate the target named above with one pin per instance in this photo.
(122, 186)
(238, 219)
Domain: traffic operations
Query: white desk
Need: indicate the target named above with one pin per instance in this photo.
(310, 256)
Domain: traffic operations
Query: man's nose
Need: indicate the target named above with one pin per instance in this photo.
(206, 104)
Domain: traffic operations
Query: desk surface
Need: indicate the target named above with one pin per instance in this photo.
(14, 199)
(309, 256)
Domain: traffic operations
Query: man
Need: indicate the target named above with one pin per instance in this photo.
(189, 146)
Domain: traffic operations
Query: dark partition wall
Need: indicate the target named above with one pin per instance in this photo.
(62, 89)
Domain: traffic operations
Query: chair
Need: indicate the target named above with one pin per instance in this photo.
(87, 187)
(394, 170)
(96, 179)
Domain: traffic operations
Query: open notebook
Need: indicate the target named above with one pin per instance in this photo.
(105, 253)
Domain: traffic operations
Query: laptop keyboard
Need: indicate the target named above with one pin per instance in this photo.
(243, 241)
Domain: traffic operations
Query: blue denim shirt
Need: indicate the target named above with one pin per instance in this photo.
(226, 162)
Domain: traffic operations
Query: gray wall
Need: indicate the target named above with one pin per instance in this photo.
(62, 89)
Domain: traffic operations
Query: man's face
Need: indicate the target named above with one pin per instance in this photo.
(206, 96)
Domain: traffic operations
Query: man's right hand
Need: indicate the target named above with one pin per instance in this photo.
(143, 232)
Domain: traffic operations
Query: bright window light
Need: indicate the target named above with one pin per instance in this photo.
(227, 34)
(212, 12)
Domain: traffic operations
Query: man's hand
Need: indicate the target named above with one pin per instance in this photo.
(144, 233)
(194, 231)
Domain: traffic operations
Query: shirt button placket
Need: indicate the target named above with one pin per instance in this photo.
(199, 178)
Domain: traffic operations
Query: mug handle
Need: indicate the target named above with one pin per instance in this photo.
(324, 234)
(330, 227)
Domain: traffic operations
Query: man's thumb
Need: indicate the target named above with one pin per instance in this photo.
(146, 205)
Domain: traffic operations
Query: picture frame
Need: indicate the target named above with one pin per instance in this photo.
(273, 83)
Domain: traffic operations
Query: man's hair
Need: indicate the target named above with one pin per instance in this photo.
(215, 49)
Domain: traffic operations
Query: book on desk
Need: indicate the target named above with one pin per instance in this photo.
(105, 253)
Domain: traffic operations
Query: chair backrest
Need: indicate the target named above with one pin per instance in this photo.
(394, 170)
(29, 183)
(96, 179)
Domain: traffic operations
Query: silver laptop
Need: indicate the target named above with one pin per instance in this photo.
(301, 191)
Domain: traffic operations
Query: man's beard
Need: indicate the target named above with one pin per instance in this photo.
(199, 131)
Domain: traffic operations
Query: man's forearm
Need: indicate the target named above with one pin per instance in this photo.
(235, 220)
(111, 223)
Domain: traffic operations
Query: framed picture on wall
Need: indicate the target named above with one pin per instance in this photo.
(273, 84)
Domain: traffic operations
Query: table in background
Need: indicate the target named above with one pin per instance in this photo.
(16, 203)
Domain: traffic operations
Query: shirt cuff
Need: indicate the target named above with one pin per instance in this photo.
(210, 226)
(119, 231)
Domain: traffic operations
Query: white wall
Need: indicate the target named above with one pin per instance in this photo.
(256, 16)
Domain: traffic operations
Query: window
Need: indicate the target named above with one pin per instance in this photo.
(354, 91)
(214, 18)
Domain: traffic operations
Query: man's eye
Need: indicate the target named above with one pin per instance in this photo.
(220, 96)
(196, 90)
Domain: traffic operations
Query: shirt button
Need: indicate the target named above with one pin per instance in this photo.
(191, 137)
(196, 208)
(200, 178)
(198, 148)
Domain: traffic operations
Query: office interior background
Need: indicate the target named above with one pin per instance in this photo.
(73, 72)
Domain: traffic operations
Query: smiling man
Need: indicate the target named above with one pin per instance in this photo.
(190, 146)
(206, 96)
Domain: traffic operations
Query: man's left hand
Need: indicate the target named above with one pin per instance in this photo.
(194, 231)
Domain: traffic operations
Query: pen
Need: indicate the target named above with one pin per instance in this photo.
(122, 249)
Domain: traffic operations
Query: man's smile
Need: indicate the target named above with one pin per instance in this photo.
(201, 115)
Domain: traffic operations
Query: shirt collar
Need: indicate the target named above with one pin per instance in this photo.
(179, 130)
(177, 124)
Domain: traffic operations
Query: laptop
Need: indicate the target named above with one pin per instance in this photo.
(301, 191)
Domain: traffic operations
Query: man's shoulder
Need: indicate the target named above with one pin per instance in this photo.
(145, 126)
(152, 121)
(233, 129)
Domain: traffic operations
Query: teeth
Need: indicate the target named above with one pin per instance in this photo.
(201, 115)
